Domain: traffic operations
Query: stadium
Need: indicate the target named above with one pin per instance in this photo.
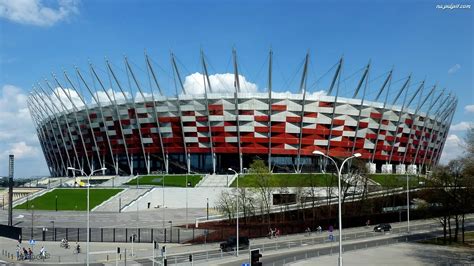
(110, 118)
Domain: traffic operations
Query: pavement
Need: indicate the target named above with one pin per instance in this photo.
(399, 254)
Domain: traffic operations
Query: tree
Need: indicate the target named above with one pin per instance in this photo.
(226, 204)
(263, 187)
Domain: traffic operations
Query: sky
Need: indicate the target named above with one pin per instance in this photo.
(40, 37)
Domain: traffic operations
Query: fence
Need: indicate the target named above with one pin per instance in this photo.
(122, 235)
(10, 231)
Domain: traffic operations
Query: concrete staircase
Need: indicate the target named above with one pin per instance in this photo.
(216, 181)
(121, 200)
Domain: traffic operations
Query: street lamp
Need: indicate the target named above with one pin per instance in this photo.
(56, 202)
(237, 212)
(339, 171)
(88, 199)
(408, 204)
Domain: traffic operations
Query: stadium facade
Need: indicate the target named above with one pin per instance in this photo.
(400, 128)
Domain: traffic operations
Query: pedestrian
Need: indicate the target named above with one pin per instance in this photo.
(331, 228)
(277, 232)
(367, 223)
(30, 253)
(18, 252)
(25, 253)
(320, 230)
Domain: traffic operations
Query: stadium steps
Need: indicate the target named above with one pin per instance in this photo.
(216, 181)
(140, 196)
(116, 181)
(127, 196)
(31, 196)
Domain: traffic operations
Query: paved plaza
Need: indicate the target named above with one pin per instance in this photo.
(411, 254)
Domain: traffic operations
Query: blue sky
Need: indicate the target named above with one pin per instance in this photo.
(413, 36)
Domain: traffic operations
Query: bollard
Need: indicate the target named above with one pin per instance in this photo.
(107, 257)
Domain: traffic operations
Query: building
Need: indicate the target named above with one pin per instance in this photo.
(399, 128)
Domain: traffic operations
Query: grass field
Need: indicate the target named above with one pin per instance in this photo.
(69, 199)
(394, 180)
(289, 180)
(170, 180)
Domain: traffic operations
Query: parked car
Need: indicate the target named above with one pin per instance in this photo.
(231, 243)
(382, 228)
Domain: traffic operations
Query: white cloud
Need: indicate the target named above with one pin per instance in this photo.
(453, 148)
(102, 97)
(35, 12)
(469, 108)
(454, 69)
(461, 126)
(18, 134)
(21, 150)
(194, 83)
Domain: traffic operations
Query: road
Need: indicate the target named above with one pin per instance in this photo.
(73, 219)
(273, 248)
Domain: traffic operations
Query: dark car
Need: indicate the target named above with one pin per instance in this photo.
(382, 228)
(231, 243)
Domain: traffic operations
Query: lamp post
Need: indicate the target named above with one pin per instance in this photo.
(339, 171)
(88, 199)
(237, 212)
(207, 208)
(32, 219)
(408, 205)
(171, 230)
(163, 205)
(56, 202)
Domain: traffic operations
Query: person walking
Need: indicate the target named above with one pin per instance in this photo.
(18, 252)
(30, 254)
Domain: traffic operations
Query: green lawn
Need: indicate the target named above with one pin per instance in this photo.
(170, 180)
(289, 180)
(69, 199)
(394, 180)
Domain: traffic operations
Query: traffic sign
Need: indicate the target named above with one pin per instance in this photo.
(245, 264)
(32, 242)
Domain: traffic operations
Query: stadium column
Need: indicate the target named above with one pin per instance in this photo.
(269, 121)
(416, 117)
(236, 103)
(361, 82)
(425, 123)
(303, 82)
(206, 79)
(146, 157)
(41, 117)
(119, 117)
(86, 108)
(446, 132)
(180, 115)
(336, 78)
(65, 118)
(52, 164)
(388, 81)
(155, 115)
(436, 126)
(45, 107)
(405, 87)
(78, 130)
(94, 96)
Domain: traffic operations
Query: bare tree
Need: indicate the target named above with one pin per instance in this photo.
(226, 204)
(263, 188)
